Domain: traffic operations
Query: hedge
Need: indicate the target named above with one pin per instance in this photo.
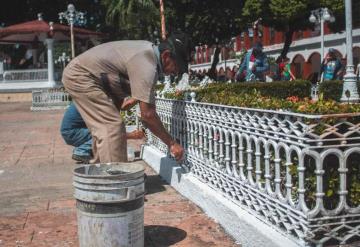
(282, 96)
(279, 89)
(332, 90)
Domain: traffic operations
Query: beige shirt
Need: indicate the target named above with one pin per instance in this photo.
(129, 65)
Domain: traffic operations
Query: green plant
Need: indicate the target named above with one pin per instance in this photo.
(332, 89)
(275, 96)
(159, 87)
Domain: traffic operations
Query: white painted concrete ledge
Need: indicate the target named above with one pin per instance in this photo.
(243, 227)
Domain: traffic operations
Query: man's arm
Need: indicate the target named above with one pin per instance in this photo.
(152, 121)
(128, 103)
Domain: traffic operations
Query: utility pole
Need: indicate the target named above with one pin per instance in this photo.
(162, 15)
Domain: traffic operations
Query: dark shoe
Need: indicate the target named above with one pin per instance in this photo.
(82, 159)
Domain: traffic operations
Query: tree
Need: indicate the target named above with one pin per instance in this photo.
(18, 11)
(210, 22)
(134, 19)
(288, 16)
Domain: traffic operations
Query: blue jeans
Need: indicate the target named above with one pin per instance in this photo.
(79, 138)
(75, 133)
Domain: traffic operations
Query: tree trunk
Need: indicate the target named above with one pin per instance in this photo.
(212, 71)
(287, 42)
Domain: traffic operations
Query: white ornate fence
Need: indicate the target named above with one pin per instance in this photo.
(297, 172)
(50, 99)
(25, 75)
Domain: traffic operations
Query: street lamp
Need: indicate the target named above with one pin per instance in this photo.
(72, 17)
(320, 16)
(350, 91)
(63, 59)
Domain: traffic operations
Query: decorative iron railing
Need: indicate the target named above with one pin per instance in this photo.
(297, 172)
(131, 117)
(25, 75)
(50, 99)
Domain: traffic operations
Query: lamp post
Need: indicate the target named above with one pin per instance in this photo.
(63, 59)
(162, 16)
(72, 16)
(320, 16)
(350, 91)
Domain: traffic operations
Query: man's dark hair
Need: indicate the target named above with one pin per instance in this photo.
(178, 43)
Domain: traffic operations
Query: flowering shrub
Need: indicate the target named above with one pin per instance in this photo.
(228, 94)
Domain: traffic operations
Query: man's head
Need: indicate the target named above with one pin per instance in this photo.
(174, 53)
(257, 48)
(331, 53)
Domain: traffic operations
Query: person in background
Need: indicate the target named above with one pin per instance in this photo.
(75, 132)
(285, 70)
(255, 64)
(27, 60)
(331, 67)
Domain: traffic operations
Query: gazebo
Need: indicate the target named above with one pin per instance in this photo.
(35, 32)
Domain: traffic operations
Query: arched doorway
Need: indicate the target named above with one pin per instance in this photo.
(297, 66)
(315, 61)
(221, 74)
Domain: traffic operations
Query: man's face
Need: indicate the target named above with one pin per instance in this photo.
(169, 63)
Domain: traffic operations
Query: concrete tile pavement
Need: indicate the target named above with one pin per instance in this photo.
(36, 204)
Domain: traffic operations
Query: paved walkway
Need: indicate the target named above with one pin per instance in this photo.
(36, 203)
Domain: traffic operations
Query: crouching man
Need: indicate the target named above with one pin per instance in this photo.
(100, 78)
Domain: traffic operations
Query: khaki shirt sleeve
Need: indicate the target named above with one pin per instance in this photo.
(143, 75)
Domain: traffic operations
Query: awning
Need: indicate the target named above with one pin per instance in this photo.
(39, 30)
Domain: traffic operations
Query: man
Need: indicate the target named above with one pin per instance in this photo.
(101, 77)
(331, 67)
(75, 132)
(254, 64)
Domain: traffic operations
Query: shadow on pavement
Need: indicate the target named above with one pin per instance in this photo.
(154, 184)
(161, 236)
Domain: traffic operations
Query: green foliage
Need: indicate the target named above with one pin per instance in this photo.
(288, 14)
(278, 89)
(353, 181)
(204, 21)
(332, 89)
(283, 96)
(136, 19)
(159, 87)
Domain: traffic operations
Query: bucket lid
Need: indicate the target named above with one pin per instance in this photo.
(119, 170)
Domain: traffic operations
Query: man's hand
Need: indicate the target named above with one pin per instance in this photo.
(177, 151)
(128, 103)
(136, 134)
(150, 119)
